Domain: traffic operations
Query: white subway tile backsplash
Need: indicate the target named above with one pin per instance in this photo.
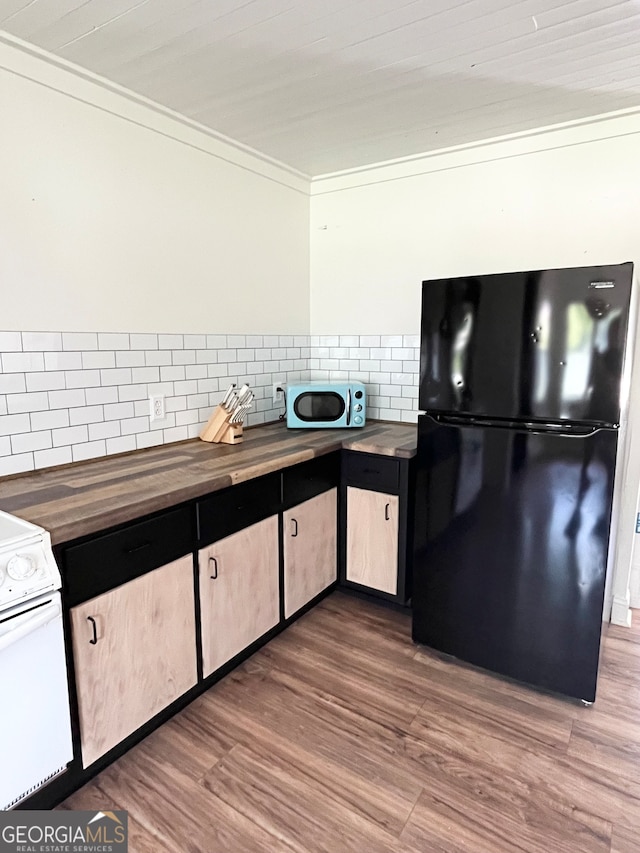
(10, 342)
(27, 441)
(172, 374)
(214, 370)
(216, 342)
(145, 374)
(89, 450)
(148, 439)
(206, 356)
(196, 371)
(114, 341)
(69, 435)
(118, 411)
(121, 445)
(236, 340)
(391, 340)
(132, 392)
(176, 404)
(134, 425)
(107, 429)
(55, 456)
(130, 358)
(97, 396)
(190, 386)
(10, 424)
(111, 375)
(155, 358)
(86, 415)
(186, 417)
(22, 362)
(178, 433)
(62, 360)
(36, 402)
(144, 341)
(170, 341)
(82, 378)
(79, 341)
(187, 356)
(16, 464)
(52, 380)
(50, 420)
(195, 341)
(98, 359)
(116, 376)
(13, 383)
(40, 341)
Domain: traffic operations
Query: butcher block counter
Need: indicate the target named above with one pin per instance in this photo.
(86, 497)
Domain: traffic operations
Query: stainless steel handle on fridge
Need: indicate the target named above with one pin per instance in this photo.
(348, 406)
(215, 568)
(25, 624)
(295, 529)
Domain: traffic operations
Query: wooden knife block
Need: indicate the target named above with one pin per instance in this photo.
(218, 429)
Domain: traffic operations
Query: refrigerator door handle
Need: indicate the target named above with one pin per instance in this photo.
(567, 430)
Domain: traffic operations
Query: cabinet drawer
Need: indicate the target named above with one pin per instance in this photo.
(229, 510)
(107, 561)
(305, 481)
(380, 473)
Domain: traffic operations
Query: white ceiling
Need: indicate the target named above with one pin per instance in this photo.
(326, 85)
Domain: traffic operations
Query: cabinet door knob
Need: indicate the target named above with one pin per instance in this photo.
(94, 640)
(386, 512)
(215, 567)
(295, 527)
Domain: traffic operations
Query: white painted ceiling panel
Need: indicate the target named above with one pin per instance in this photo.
(326, 86)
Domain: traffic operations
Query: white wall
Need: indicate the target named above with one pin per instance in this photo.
(115, 216)
(377, 233)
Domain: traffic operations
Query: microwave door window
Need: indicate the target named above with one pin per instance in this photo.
(319, 406)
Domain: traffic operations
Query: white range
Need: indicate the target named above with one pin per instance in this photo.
(34, 713)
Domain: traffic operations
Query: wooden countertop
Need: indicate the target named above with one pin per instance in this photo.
(86, 497)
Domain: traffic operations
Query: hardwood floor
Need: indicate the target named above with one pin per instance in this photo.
(340, 735)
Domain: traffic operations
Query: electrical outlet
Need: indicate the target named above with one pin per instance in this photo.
(279, 390)
(156, 407)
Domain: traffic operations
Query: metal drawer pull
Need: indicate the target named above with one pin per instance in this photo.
(386, 512)
(295, 533)
(95, 633)
(215, 567)
(137, 548)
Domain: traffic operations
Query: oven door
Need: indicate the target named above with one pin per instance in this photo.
(320, 408)
(36, 743)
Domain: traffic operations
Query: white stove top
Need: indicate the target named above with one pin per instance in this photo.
(27, 564)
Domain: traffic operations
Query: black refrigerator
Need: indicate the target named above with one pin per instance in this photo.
(520, 381)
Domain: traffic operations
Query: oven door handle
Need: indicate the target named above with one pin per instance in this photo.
(348, 406)
(26, 623)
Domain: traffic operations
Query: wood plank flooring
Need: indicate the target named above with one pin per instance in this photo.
(340, 735)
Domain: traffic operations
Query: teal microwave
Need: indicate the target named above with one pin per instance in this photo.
(326, 404)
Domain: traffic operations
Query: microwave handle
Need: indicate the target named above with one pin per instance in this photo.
(348, 406)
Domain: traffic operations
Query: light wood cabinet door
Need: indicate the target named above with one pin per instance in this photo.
(239, 591)
(372, 539)
(310, 549)
(134, 649)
